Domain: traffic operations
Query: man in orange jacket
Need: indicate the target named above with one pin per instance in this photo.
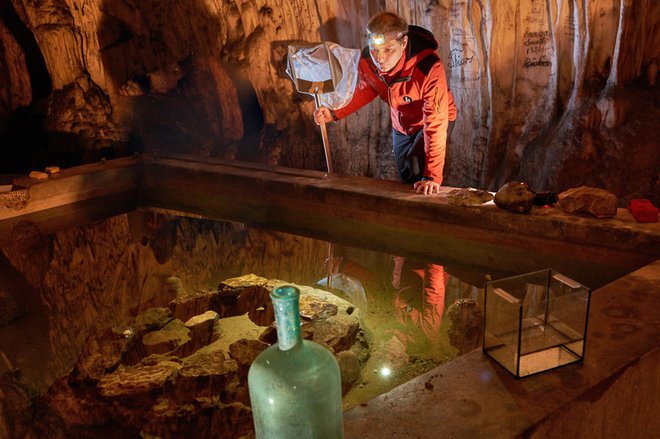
(401, 66)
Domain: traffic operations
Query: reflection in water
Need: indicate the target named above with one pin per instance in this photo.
(417, 314)
(418, 304)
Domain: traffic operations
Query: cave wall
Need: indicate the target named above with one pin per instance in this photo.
(558, 93)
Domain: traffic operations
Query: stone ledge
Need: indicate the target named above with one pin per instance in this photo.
(388, 216)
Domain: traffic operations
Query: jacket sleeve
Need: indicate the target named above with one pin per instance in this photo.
(436, 117)
(453, 111)
(363, 94)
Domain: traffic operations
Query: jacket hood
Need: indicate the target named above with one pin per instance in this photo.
(420, 40)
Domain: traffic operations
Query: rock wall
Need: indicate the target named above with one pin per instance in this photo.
(556, 93)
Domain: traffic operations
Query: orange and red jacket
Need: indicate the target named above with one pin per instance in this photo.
(416, 91)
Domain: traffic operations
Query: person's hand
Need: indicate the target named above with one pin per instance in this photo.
(322, 115)
(426, 187)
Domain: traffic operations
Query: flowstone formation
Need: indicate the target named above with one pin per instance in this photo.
(558, 94)
(174, 371)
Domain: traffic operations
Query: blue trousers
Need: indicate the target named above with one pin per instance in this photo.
(409, 154)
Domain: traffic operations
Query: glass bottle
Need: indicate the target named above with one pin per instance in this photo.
(295, 386)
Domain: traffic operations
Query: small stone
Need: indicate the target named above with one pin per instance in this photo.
(38, 175)
(592, 201)
(515, 196)
(52, 169)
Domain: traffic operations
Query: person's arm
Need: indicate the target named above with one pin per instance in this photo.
(436, 116)
(362, 95)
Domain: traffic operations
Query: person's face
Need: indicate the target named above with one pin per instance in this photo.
(386, 52)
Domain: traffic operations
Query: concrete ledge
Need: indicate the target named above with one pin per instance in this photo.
(388, 216)
(613, 394)
(73, 197)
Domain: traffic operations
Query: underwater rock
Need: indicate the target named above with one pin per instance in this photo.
(466, 325)
(137, 383)
(592, 201)
(349, 367)
(102, 353)
(175, 287)
(204, 418)
(152, 319)
(172, 336)
(158, 378)
(201, 328)
(244, 351)
(516, 196)
(15, 403)
(204, 375)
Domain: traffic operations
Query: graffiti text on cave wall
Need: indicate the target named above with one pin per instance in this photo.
(460, 56)
(462, 60)
(536, 41)
(537, 49)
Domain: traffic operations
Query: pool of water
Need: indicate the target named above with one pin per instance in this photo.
(406, 306)
(416, 314)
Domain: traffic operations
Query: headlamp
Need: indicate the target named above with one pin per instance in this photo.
(376, 39)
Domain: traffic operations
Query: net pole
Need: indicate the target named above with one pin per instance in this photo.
(324, 136)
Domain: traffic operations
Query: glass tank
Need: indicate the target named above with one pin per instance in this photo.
(535, 322)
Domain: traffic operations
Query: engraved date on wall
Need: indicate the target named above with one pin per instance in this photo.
(537, 43)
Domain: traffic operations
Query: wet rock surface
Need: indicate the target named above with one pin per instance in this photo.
(160, 377)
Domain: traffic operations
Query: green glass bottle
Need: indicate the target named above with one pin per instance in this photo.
(295, 386)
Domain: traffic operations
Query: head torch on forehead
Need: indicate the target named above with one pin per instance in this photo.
(377, 39)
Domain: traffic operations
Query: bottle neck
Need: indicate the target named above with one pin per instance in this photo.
(287, 315)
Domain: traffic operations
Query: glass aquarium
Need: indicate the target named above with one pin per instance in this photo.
(535, 322)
